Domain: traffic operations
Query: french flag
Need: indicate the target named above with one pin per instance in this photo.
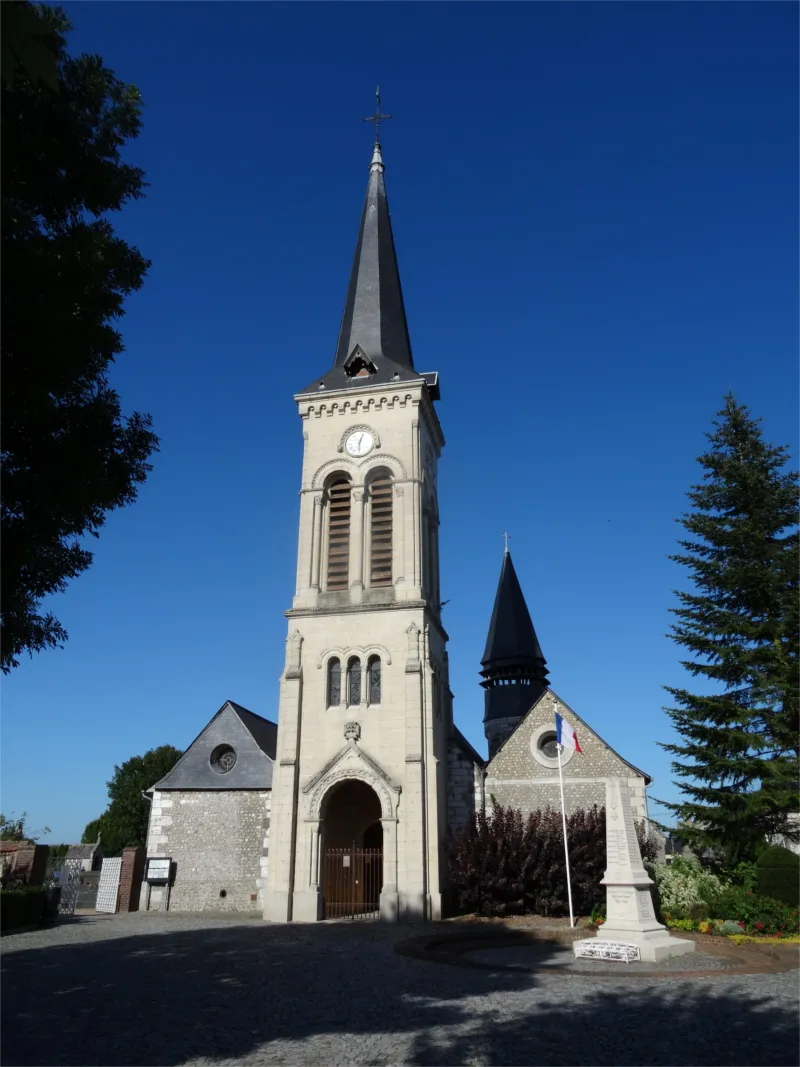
(565, 735)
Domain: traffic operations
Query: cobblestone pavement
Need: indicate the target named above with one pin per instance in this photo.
(193, 990)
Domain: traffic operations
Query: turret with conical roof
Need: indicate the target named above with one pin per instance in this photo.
(514, 668)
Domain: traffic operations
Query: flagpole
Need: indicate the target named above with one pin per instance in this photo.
(564, 824)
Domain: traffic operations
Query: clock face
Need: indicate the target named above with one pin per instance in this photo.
(359, 443)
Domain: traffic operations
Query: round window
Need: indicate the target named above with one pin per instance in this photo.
(548, 745)
(223, 759)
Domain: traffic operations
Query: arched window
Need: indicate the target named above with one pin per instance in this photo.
(380, 496)
(339, 534)
(354, 680)
(334, 683)
(374, 680)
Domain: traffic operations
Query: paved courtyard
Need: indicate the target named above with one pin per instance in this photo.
(149, 989)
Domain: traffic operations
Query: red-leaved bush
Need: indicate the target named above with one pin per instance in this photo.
(506, 864)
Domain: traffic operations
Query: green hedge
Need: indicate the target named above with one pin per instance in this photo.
(20, 908)
(778, 874)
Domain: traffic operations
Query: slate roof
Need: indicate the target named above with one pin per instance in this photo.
(467, 748)
(264, 731)
(82, 852)
(512, 647)
(253, 740)
(374, 317)
(374, 313)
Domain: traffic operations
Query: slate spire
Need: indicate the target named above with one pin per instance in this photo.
(374, 314)
(514, 668)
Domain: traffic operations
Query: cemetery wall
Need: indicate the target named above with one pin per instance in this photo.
(218, 841)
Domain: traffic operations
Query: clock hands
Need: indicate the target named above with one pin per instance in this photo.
(359, 442)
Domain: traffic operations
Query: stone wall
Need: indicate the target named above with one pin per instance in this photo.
(464, 787)
(219, 845)
(521, 776)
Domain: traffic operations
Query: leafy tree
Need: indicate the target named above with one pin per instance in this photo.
(93, 831)
(27, 46)
(738, 753)
(124, 822)
(69, 455)
(12, 829)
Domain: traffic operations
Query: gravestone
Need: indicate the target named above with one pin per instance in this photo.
(629, 906)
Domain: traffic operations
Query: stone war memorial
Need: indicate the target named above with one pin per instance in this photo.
(630, 919)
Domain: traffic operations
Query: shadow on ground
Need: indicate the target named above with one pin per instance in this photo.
(265, 994)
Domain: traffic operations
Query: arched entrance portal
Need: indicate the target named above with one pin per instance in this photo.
(352, 852)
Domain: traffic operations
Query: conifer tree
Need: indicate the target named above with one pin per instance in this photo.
(737, 758)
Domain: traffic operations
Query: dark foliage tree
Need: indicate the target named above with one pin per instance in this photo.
(124, 822)
(737, 756)
(27, 46)
(506, 864)
(69, 456)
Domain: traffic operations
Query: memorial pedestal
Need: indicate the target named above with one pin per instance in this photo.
(629, 906)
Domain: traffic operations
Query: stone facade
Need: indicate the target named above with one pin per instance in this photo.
(405, 735)
(521, 776)
(219, 843)
(465, 793)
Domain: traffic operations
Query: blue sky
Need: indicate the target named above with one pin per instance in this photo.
(595, 210)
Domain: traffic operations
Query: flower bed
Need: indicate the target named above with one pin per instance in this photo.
(755, 916)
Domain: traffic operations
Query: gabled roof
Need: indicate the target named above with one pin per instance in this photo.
(253, 740)
(264, 731)
(512, 640)
(374, 324)
(82, 852)
(467, 748)
(573, 715)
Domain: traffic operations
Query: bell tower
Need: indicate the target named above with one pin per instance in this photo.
(364, 696)
(514, 669)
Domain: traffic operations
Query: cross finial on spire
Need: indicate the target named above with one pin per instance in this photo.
(506, 535)
(377, 118)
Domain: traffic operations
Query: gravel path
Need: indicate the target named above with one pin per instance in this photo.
(193, 990)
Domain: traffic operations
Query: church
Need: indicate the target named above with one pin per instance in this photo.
(343, 807)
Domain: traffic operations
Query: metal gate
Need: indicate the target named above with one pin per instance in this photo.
(108, 890)
(352, 879)
(69, 878)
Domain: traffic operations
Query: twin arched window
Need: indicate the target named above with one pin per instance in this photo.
(339, 504)
(352, 679)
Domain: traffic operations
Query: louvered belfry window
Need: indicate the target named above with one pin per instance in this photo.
(380, 493)
(339, 534)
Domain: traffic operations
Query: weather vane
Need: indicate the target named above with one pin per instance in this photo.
(377, 118)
